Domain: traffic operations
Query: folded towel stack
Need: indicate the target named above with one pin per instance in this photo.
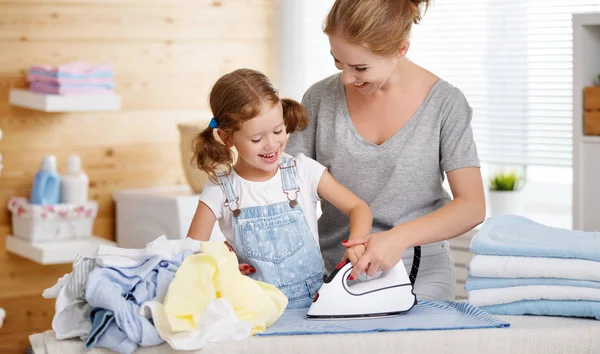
(77, 78)
(522, 267)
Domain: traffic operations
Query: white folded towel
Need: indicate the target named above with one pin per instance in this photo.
(533, 267)
(111, 256)
(498, 296)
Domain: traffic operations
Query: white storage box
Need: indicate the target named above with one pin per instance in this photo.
(43, 223)
(146, 213)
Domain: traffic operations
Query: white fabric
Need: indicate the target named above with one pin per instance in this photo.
(526, 335)
(496, 296)
(533, 267)
(111, 256)
(268, 192)
(217, 324)
(71, 314)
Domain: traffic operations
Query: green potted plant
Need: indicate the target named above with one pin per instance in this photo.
(505, 192)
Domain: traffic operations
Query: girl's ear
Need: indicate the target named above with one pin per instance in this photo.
(225, 138)
(403, 48)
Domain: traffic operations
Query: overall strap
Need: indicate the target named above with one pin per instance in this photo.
(289, 183)
(224, 179)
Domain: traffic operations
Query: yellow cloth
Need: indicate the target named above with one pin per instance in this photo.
(213, 274)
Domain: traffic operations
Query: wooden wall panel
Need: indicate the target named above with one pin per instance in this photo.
(166, 55)
(162, 20)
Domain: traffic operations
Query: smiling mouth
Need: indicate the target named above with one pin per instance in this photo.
(360, 84)
(269, 156)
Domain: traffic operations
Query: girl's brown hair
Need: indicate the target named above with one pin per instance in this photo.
(378, 25)
(234, 99)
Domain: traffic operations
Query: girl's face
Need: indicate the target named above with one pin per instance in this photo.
(260, 143)
(361, 69)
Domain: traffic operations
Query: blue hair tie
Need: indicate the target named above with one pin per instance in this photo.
(213, 123)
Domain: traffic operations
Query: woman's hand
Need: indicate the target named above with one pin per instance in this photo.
(383, 251)
(245, 269)
(352, 254)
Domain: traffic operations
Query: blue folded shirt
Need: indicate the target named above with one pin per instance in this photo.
(512, 235)
(565, 308)
(478, 283)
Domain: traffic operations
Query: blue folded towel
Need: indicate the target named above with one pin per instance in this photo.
(511, 235)
(478, 283)
(426, 315)
(565, 308)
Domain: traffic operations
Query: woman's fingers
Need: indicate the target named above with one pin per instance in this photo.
(353, 257)
(360, 267)
(373, 268)
(360, 251)
(356, 241)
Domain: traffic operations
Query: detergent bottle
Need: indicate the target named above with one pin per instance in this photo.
(74, 184)
(46, 184)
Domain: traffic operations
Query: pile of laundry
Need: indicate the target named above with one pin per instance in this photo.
(185, 292)
(522, 267)
(78, 78)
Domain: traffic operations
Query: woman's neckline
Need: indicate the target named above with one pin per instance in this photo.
(399, 132)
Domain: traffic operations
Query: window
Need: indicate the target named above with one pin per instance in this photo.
(513, 61)
(511, 58)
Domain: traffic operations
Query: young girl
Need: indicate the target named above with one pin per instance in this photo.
(266, 202)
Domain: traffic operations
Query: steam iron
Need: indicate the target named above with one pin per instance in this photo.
(389, 294)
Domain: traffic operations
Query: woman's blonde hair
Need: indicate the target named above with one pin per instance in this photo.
(378, 25)
(234, 99)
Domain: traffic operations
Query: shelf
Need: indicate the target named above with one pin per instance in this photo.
(56, 252)
(59, 103)
(593, 139)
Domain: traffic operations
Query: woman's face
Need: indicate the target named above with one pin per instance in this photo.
(361, 68)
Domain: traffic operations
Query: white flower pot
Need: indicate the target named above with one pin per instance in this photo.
(505, 202)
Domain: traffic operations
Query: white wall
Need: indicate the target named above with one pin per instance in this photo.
(301, 48)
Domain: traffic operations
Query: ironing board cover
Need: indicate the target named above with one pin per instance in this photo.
(426, 315)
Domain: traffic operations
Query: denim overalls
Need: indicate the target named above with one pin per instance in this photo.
(276, 240)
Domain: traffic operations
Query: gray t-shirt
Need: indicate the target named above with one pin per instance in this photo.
(402, 178)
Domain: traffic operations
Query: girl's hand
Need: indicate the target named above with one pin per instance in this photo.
(383, 251)
(245, 269)
(353, 254)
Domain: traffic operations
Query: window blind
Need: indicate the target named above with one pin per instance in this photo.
(513, 61)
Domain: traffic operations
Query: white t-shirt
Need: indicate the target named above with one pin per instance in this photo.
(252, 194)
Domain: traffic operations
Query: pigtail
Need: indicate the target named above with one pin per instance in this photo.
(294, 115)
(210, 153)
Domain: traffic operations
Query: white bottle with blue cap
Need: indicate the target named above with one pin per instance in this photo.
(46, 184)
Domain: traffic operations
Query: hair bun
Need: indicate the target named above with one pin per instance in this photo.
(417, 15)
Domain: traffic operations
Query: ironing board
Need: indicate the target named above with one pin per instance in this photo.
(526, 335)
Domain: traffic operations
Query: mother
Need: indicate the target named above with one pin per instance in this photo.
(390, 131)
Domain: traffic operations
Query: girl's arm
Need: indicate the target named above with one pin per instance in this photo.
(361, 218)
(465, 211)
(202, 223)
(201, 229)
